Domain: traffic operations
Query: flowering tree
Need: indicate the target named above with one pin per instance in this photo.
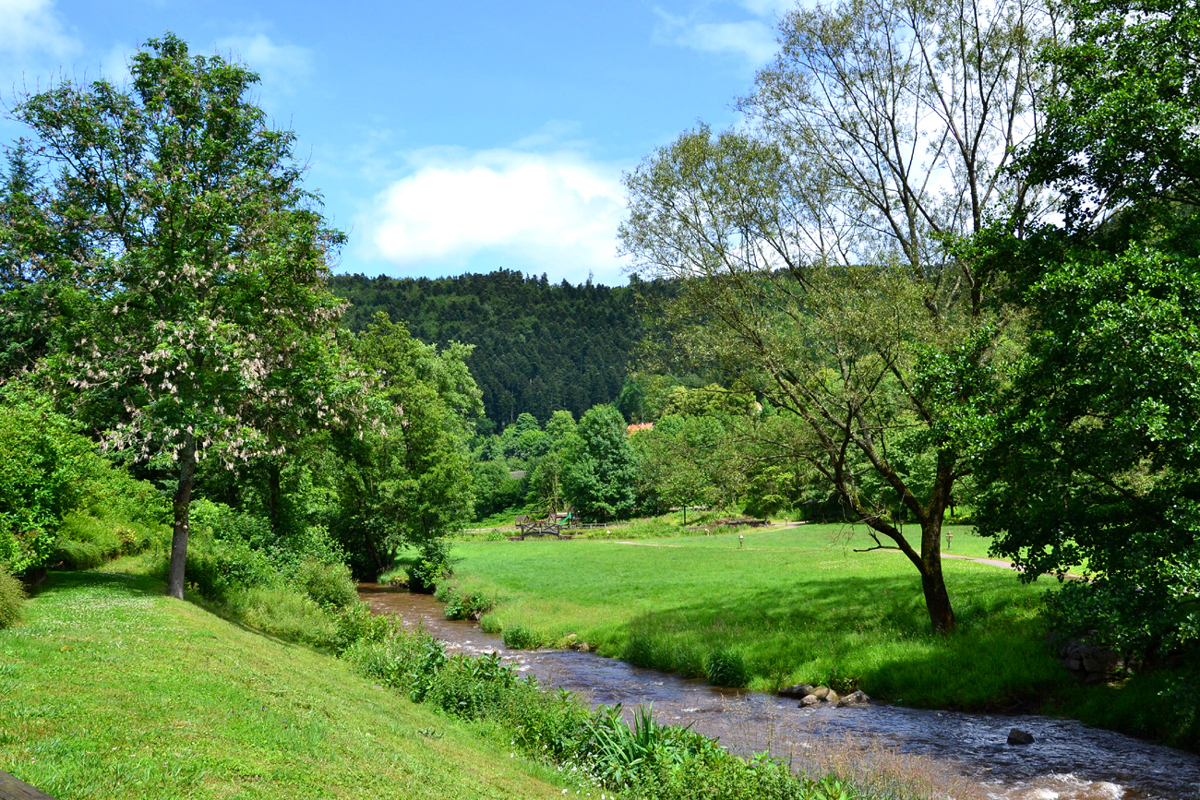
(208, 327)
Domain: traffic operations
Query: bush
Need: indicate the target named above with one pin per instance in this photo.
(41, 474)
(725, 667)
(519, 637)
(432, 564)
(463, 604)
(12, 596)
(327, 584)
(85, 542)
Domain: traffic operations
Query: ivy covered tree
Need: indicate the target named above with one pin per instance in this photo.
(204, 326)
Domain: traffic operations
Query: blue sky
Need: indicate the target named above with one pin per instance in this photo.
(445, 137)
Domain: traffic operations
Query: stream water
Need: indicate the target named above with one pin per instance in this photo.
(967, 754)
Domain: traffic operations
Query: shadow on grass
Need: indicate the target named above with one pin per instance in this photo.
(132, 585)
(871, 632)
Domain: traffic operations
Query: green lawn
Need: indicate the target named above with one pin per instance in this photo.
(108, 689)
(797, 605)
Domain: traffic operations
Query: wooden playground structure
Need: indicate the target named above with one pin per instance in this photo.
(549, 523)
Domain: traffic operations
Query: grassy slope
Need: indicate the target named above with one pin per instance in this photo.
(110, 690)
(799, 605)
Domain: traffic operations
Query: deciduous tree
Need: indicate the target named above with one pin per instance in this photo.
(208, 327)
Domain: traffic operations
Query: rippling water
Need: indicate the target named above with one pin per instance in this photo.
(1067, 761)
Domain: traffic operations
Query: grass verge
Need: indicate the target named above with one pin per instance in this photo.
(108, 689)
(782, 606)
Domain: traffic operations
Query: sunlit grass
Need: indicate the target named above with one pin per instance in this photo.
(799, 604)
(108, 689)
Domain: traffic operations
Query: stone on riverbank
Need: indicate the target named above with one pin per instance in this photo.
(856, 698)
(1017, 736)
(797, 692)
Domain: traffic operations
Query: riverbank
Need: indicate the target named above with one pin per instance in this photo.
(108, 689)
(798, 605)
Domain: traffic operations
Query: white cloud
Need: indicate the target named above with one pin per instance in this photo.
(553, 212)
(283, 67)
(768, 8)
(31, 28)
(752, 40)
(34, 46)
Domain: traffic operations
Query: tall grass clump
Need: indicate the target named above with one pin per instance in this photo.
(12, 596)
(643, 760)
(726, 667)
(293, 587)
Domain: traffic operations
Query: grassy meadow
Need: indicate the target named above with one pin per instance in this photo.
(786, 606)
(108, 689)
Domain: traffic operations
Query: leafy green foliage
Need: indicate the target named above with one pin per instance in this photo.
(409, 481)
(1125, 125)
(42, 473)
(599, 475)
(1095, 457)
(12, 596)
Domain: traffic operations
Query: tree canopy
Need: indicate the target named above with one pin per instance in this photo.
(177, 220)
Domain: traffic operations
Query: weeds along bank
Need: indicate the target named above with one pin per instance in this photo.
(777, 608)
(113, 690)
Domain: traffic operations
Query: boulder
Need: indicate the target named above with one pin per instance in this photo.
(797, 692)
(832, 698)
(1089, 662)
(1017, 736)
(821, 692)
(811, 700)
(856, 698)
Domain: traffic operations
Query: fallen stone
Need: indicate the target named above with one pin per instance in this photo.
(856, 698)
(821, 692)
(811, 700)
(797, 692)
(832, 697)
(1017, 736)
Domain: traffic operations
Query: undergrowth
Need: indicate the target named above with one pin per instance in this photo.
(642, 760)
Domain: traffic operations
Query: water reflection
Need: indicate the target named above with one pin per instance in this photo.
(1068, 760)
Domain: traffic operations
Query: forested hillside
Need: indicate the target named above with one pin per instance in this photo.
(539, 347)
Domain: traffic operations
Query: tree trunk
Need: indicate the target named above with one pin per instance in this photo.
(937, 599)
(182, 505)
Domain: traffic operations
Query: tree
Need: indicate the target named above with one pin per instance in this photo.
(208, 328)
(598, 472)
(407, 483)
(817, 245)
(1095, 460)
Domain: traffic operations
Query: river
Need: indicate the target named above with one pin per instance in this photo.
(961, 754)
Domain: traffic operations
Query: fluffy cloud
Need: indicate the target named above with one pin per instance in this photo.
(536, 212)
(31, 28)
(283, 67)
(752, 40)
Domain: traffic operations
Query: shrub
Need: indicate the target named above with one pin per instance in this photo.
(432, 564)
(519, 637)
(463, 604)
(85, 542)
(726, 667)
(327, 584)
(12, 596)
(41, 474)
